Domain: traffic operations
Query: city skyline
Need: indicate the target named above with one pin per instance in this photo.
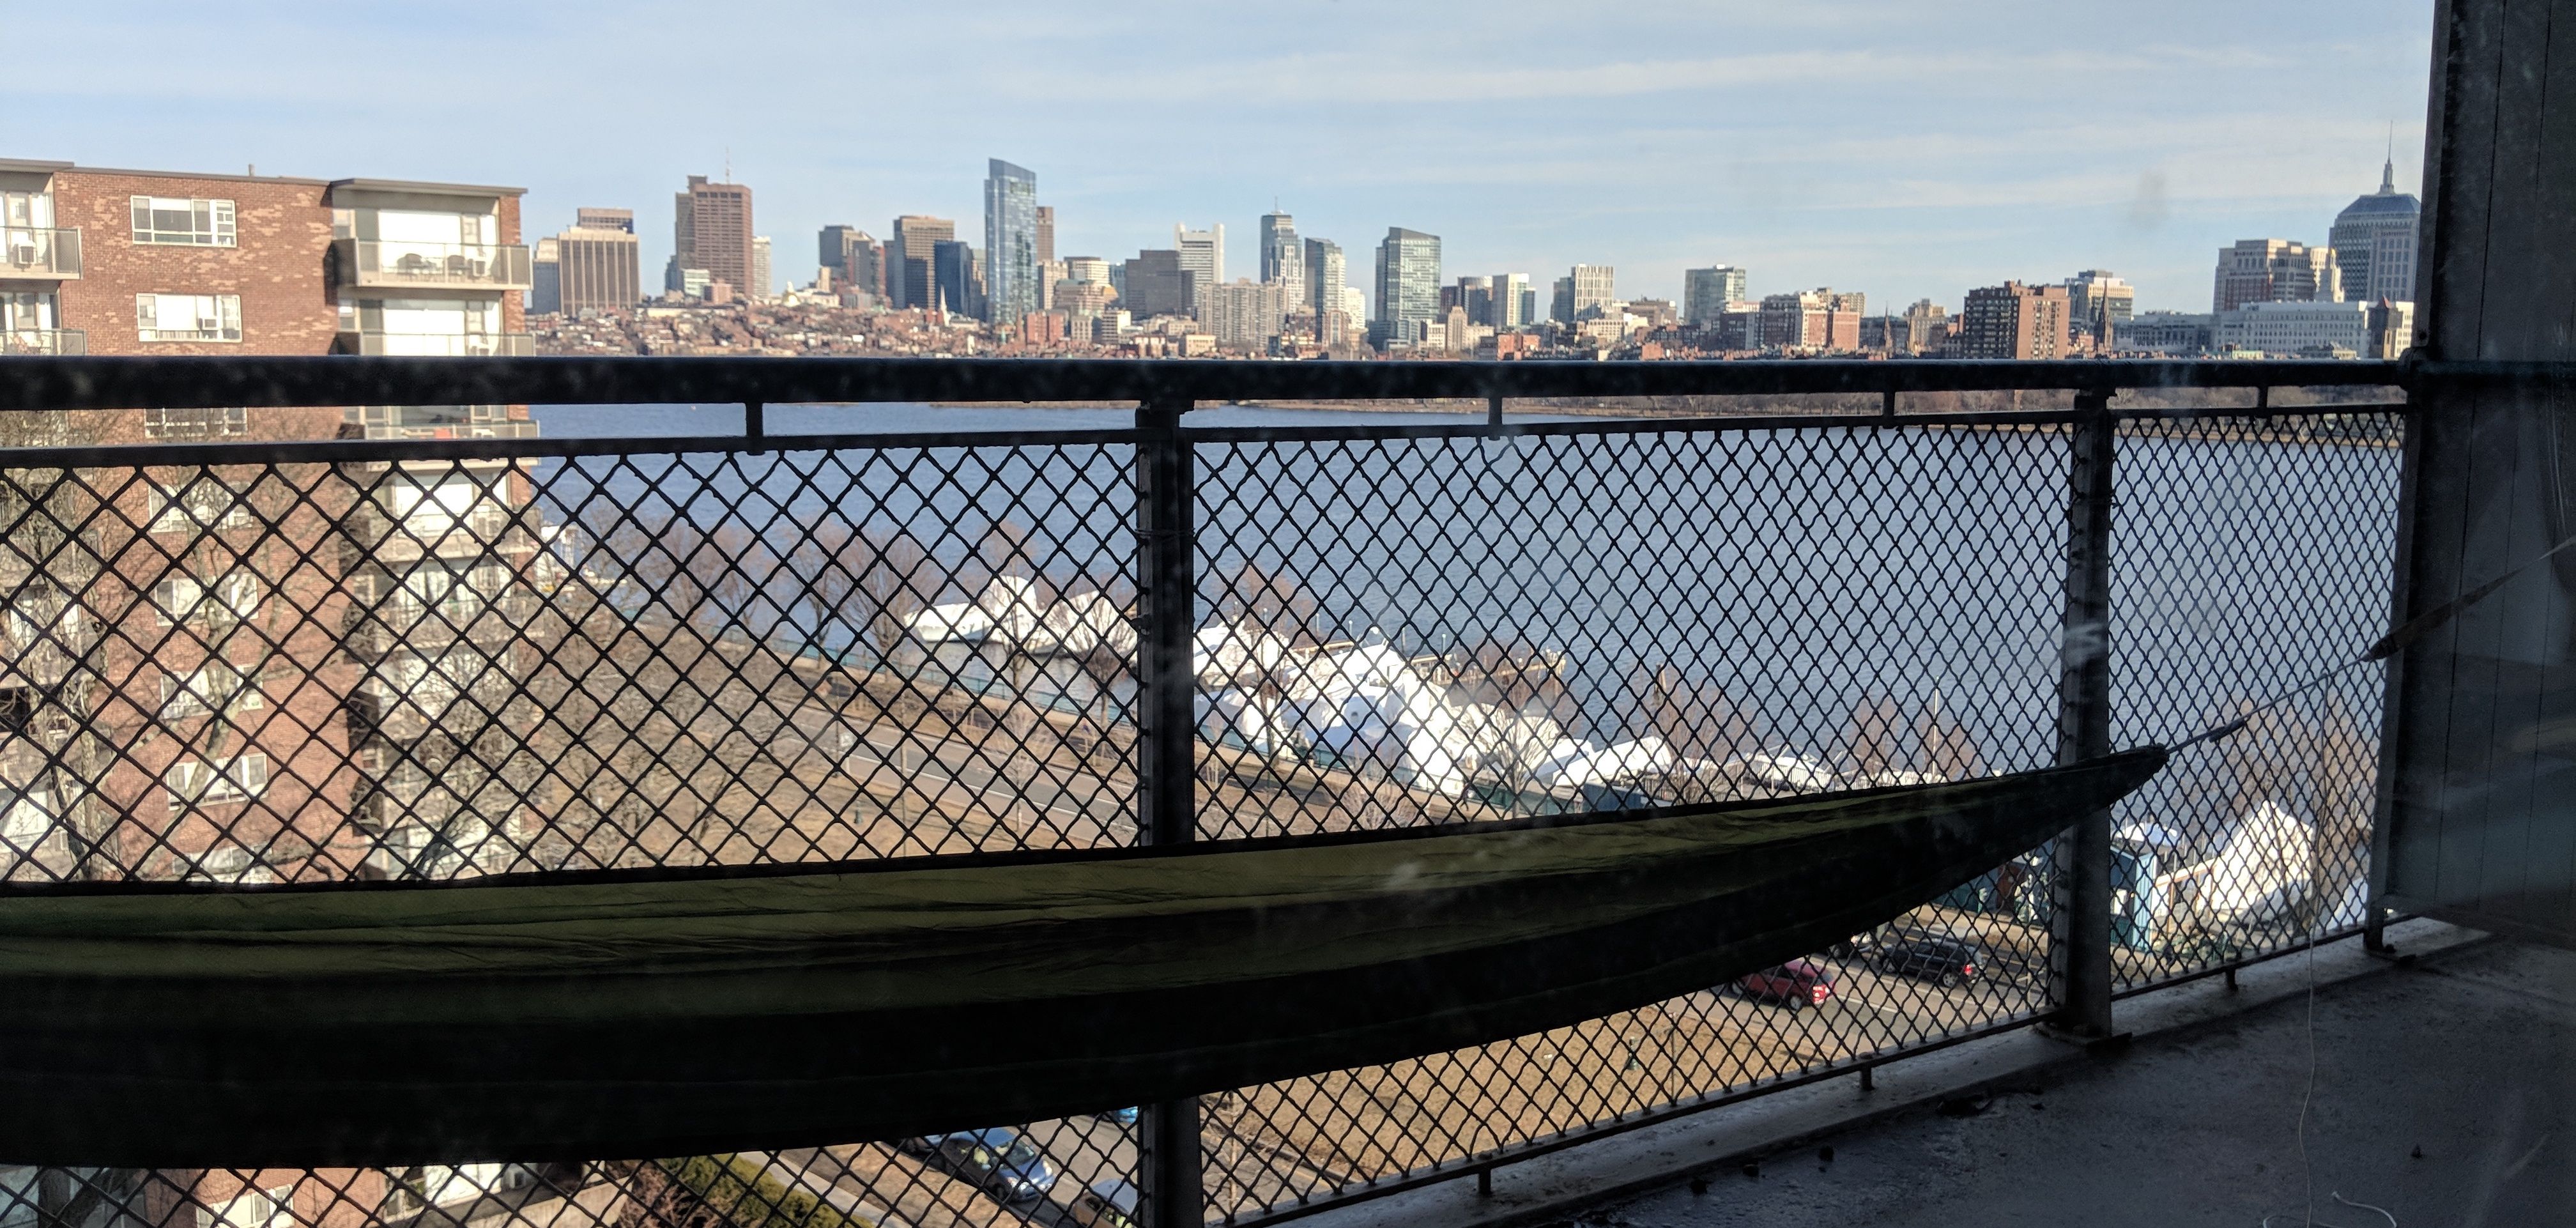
(1646, 140)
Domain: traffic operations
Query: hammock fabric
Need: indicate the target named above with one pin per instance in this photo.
(616, 1018)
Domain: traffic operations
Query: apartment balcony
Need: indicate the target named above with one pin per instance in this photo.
(437, 345)
(40, 253)
(696, 655)
(369, 264)
(44, 341)
(422, 422)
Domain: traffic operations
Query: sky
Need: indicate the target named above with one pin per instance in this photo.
(1906, 150)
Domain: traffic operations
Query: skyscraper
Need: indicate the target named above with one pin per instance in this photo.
(915, 241)
(954, 281)
(832, 246)
(1706, 292)
(1510, 291)
(1408, 286)
(1010, 241)
(1476, 296)
(2275, 271)
(760, 286)
(545, 289)
(1157, 282)
(711, 230)
(1283, 262)
(1325, 277)
(2099, 305)
(599, 260)
(1593, 293)
(1046, 234)
(1202, 253)
(2374, 242)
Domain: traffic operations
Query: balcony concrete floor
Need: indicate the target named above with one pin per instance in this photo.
(2445, 1092)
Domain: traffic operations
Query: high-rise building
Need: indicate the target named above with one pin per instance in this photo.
(1245, 315)
(2099, 305)
(1593, 292)
(957, 281)
(2275, 271)
(2014, 321)
(1283, 260)
(857, 261)
(1815, 321)
(915, 240)
(2391, 329)
(1325, 276)
(761, 286)
(601, 260)
(1090, 270)
(832, 245)
(1510, 289)
(545, 290)
(1159, 284)
(1010, 241)
(1561, 301)
(2374, 242)
(1706, 292)
(1927, 327)
(1476, 297)
(1202, 254)
(711, 230)
(1046, 234)
(1408, 287)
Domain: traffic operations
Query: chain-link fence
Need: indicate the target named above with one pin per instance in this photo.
(296, 662)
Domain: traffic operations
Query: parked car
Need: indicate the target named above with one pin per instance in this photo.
(1109, 1203)
(997, 1160)
(1124, 1117)
(1797, 985)
(1927, 954)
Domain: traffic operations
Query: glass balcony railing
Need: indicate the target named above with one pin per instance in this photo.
(45, 341)
(49, 252)
(368, 263)
(438, 345)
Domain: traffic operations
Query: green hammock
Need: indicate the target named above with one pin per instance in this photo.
(611, 1017)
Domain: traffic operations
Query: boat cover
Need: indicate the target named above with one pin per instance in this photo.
(622, 1015)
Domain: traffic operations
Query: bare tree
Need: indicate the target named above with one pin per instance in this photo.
(1948, 750)
(1875, 726)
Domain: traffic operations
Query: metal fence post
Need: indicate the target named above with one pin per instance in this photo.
(2079, 949)
(1166, 754)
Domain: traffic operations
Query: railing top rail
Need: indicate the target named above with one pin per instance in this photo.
(189, 382)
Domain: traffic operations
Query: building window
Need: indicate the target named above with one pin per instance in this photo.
(26, 818)
(214, 687)
(197, 782)
(232, 422)
(188, 317)
(201, 503)
(183, 221)
(184, 599)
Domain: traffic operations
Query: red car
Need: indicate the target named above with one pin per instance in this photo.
(1796, 985)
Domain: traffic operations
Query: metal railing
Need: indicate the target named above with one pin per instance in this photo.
(48, 342)
(51, 253)
(438, 345)
(770, 647)
(393, 265)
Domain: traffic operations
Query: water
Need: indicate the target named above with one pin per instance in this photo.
(1777, 579)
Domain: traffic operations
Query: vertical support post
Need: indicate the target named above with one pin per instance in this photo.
(1166, 753)
(755, 421)
(2079, 950)
(2393, 707)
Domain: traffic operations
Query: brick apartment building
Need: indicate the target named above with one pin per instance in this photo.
(2015, 321)
(256, 672)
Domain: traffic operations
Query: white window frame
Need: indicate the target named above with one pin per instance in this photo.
(26, 818)
(218, 318)
(216, 216)
(196, 783)
(185, 599)
(214, 686)
(225, 422)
